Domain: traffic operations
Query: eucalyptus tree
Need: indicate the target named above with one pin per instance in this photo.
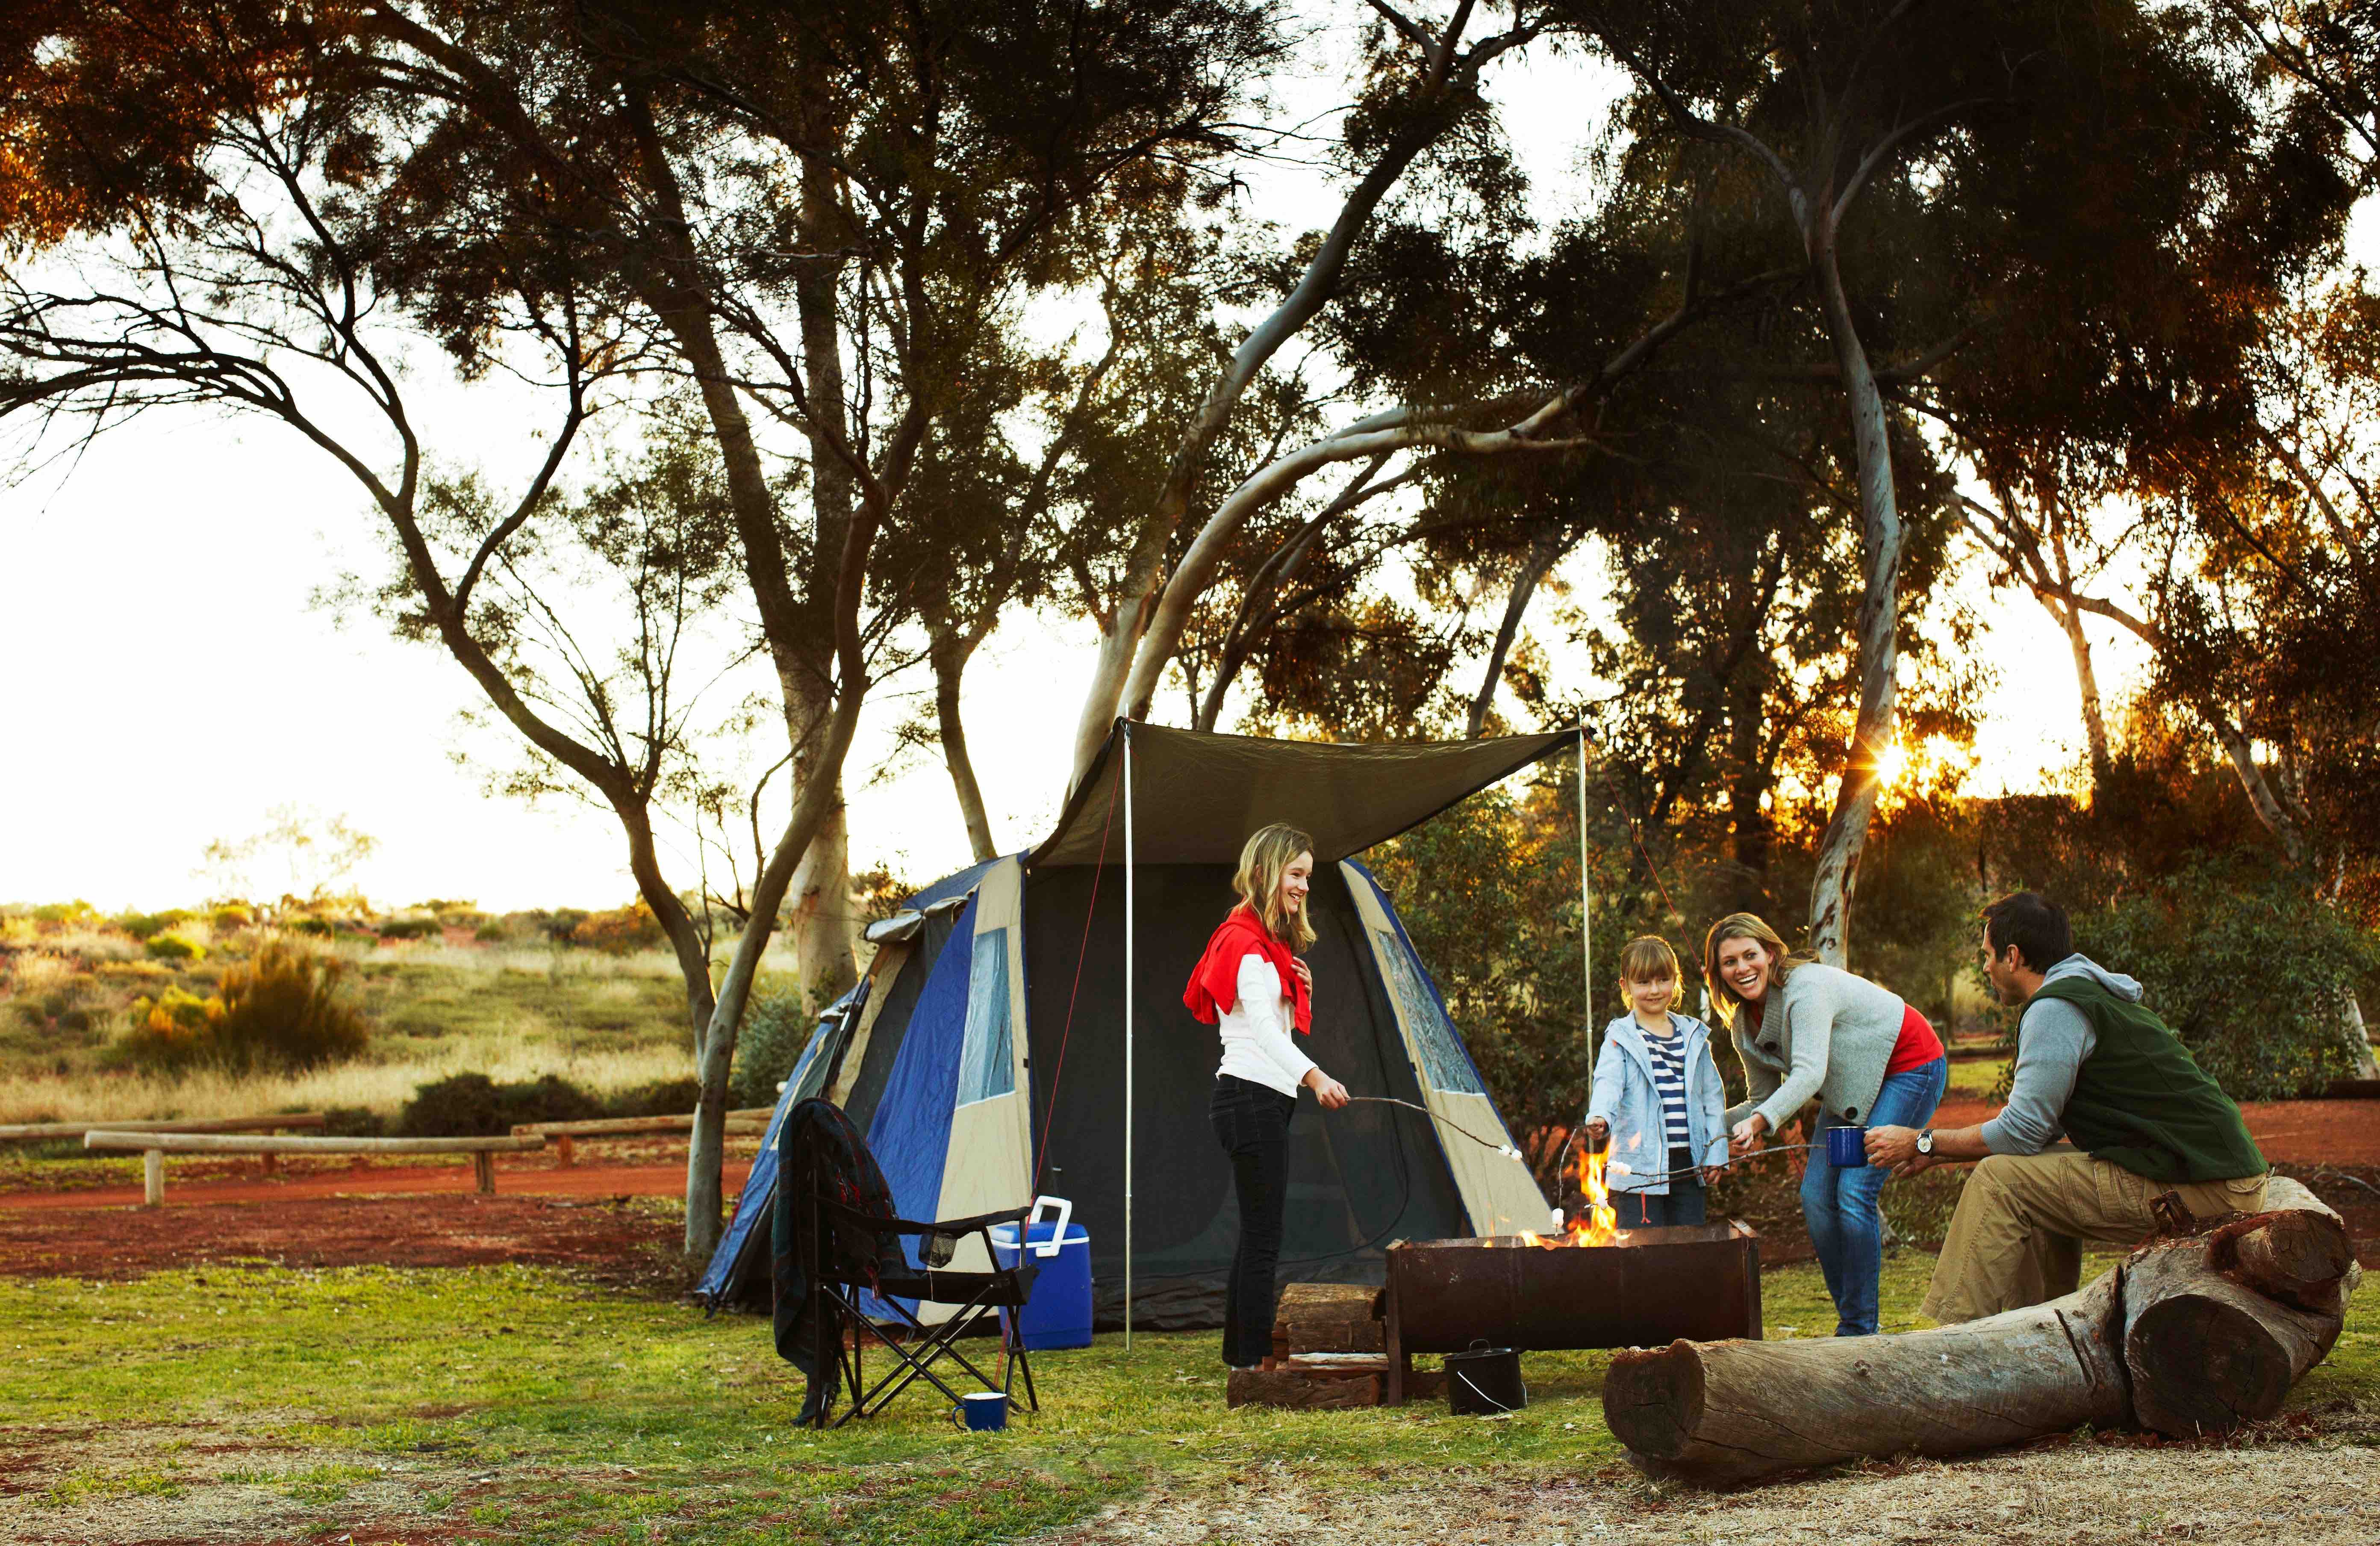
(813, 219)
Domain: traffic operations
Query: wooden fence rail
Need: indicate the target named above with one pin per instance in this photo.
(154, 1147)
(565, 1135)
(27, 1132)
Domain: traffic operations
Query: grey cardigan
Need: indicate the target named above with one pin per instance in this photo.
(1826, 1033)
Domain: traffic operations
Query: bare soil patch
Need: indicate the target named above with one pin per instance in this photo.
(2079, 1494)
(249, 1183)
(617, 1240)
(152, 1484)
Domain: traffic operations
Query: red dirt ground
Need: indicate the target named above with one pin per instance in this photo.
(663, 1180)
(2298, 1132)
(617, 1240)
(582, 1217)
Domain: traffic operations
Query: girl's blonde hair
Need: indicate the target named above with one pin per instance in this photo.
(1648, 958)
(1742, 926)
(1269, 852)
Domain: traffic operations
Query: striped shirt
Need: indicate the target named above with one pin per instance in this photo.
(1669, 1079)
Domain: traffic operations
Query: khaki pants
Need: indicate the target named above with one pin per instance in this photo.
(2023, 1221)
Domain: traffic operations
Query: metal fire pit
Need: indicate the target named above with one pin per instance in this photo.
(1699, 1281)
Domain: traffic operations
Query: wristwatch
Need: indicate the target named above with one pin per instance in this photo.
(1925, 1141)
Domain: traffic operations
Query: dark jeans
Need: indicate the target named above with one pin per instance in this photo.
(1682, 1205)
(1252, 1123)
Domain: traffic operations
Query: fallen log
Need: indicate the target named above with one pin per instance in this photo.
(2193, 1335)
(2217, 1328)
(1729, 1411)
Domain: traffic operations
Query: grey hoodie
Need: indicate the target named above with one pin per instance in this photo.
(2051, 1042)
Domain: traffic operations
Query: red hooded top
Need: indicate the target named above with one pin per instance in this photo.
(1215, 985)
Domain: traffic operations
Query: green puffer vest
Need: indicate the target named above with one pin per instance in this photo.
(2142, 1102)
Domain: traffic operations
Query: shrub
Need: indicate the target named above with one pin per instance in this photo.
(775, 1030)
(562, 922)
(140, 926)
(58, 915)
(2247, 967)
(231, 915)
(620, 931)
(661, 1098)
(177, 947)
(408, 928)
(307, 923)
(353, 1122)
(171, 1032)
(284, 1010)
(473, 1106)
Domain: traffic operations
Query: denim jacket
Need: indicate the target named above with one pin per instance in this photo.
(1625, 1096)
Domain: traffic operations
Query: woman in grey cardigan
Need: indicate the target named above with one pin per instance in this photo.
(1804, 1028)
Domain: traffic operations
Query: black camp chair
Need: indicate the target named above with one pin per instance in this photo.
(848, 1251)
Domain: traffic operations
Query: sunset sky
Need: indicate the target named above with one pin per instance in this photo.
(172, 678)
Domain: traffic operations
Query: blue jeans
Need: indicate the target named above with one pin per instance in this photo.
(1840, 1206)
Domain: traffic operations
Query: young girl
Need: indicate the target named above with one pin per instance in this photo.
(1657, 1096)
(1252, 989)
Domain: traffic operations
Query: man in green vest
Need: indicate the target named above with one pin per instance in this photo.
(2094, 1066)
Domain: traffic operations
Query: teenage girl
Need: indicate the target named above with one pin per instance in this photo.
(1251, 987)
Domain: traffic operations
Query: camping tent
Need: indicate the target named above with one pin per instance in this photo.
(1013, 1037)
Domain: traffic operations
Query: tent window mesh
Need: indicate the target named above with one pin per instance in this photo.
(1443, 1061)
(987, 1059)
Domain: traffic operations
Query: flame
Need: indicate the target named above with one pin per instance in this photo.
(1601, 1226)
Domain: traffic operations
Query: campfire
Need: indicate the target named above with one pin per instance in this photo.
(1598, 1226)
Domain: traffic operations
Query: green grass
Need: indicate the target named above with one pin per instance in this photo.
(525, 1404)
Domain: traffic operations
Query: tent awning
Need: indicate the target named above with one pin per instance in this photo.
(1197, 796)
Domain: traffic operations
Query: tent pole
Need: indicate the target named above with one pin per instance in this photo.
(1130, 921)
(1586, 925)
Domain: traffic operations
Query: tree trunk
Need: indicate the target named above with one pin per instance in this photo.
(707, 1146)
(1716, 1412)
(1120, 627)
(1534, 567)
(1749, 831)
(818, 920)
(2087, 680)
(1879, 638)
(949, 656)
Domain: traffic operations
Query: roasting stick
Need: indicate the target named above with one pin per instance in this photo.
(1504, 1148)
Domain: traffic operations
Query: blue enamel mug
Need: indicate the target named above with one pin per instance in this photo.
(982, 1411)
(1847, 1148)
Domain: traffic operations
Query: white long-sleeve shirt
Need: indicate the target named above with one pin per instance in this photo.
(1256, 1031)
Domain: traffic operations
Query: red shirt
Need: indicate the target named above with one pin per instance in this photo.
(1917, 1045)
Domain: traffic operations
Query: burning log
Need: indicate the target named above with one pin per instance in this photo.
(2188, 1336)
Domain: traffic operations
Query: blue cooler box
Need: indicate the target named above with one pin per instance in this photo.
(1059, 1312)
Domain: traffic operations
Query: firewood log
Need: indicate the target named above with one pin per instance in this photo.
(1328, 1318)
(1295, 1387)
(1728, 1411)
(2217, 1329)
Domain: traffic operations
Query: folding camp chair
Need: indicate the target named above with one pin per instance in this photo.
(853, 1258)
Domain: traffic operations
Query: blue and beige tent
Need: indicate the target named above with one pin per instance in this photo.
(1021, 1031)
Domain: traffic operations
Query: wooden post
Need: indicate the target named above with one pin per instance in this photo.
(152, 1178)
(485, 1164)
(569, 1150)
(272, 1162)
